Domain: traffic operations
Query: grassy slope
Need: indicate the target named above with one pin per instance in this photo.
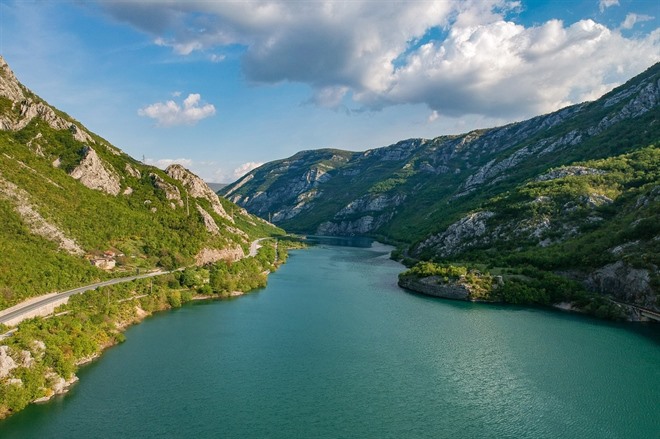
(169, 237)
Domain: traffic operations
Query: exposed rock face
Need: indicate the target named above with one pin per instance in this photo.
(209, 223)
(171, 192)
(625, 283)
(10, 88)
(303, 202)
(33, 219)
(133, 172)
(359, 226)
(646, 97)
(434, 286)
(460, 235)
(239, 184)
(95, 175)
(500, 151)
(25, 108)
(371, 203)
(209, 256)
(7, 363)
(57, 386)
(197, 188)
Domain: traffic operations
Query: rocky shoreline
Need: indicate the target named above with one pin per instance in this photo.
(435, 286)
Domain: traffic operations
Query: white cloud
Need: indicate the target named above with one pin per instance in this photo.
(164, 163)
(505, 69)
(245, 168)
(604, 4)
(632, 19)
(484, 64)
(329, 97)
(433, 116)
(171, 113)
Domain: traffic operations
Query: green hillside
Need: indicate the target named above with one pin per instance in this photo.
(67, 196)
(572, 193)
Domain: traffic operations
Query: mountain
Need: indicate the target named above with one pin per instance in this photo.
(575, 192)
(76, 209)
(216, 186)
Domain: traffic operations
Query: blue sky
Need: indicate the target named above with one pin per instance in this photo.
(223, 86)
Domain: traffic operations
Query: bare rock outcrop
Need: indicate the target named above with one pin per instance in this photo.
(460, 235)
(209, 255)
(359, 226)
(171, 192)
(132, 171)
(625, 283)
(436, 287)
(209, 222)
(197, 188)
(371, 203)
(95, 175)
(10, 88)
(25, 108)
(7, 363)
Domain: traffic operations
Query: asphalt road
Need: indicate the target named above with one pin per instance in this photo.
(254, 247)
(47, 301)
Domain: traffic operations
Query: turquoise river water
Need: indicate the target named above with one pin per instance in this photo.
(332, 348)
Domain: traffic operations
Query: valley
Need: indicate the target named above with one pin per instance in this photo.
(563, 207)
(561, 210)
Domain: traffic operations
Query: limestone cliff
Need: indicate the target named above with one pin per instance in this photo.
(25, 107)
(197, 188)
(94, 174)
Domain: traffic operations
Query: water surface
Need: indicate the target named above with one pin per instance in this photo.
(333, 348)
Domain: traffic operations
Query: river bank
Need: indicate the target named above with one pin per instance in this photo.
(40, 359)
(518, 287)
(333, 347)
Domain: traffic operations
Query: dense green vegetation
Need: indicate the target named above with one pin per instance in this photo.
(610, 214)
(520, 286)
(584, 216)
(143, 225)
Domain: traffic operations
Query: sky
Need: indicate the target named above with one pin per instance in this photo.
(223, 86)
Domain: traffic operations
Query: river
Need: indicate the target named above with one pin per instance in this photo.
(332, 348)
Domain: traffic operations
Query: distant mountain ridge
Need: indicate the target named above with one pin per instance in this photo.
(216, 186)
(68, 197)
(586, 175)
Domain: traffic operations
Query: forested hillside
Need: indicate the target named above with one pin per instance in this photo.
(574, 193)
(69, 199)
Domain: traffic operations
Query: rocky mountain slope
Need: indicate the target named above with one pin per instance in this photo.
(572, 192)
(75, 208)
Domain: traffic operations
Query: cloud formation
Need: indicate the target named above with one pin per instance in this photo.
(632, 19)
(604, 4)
(170, 113)
(458, 57)
(245, 168)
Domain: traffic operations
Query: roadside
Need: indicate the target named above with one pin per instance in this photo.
(44, 305)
